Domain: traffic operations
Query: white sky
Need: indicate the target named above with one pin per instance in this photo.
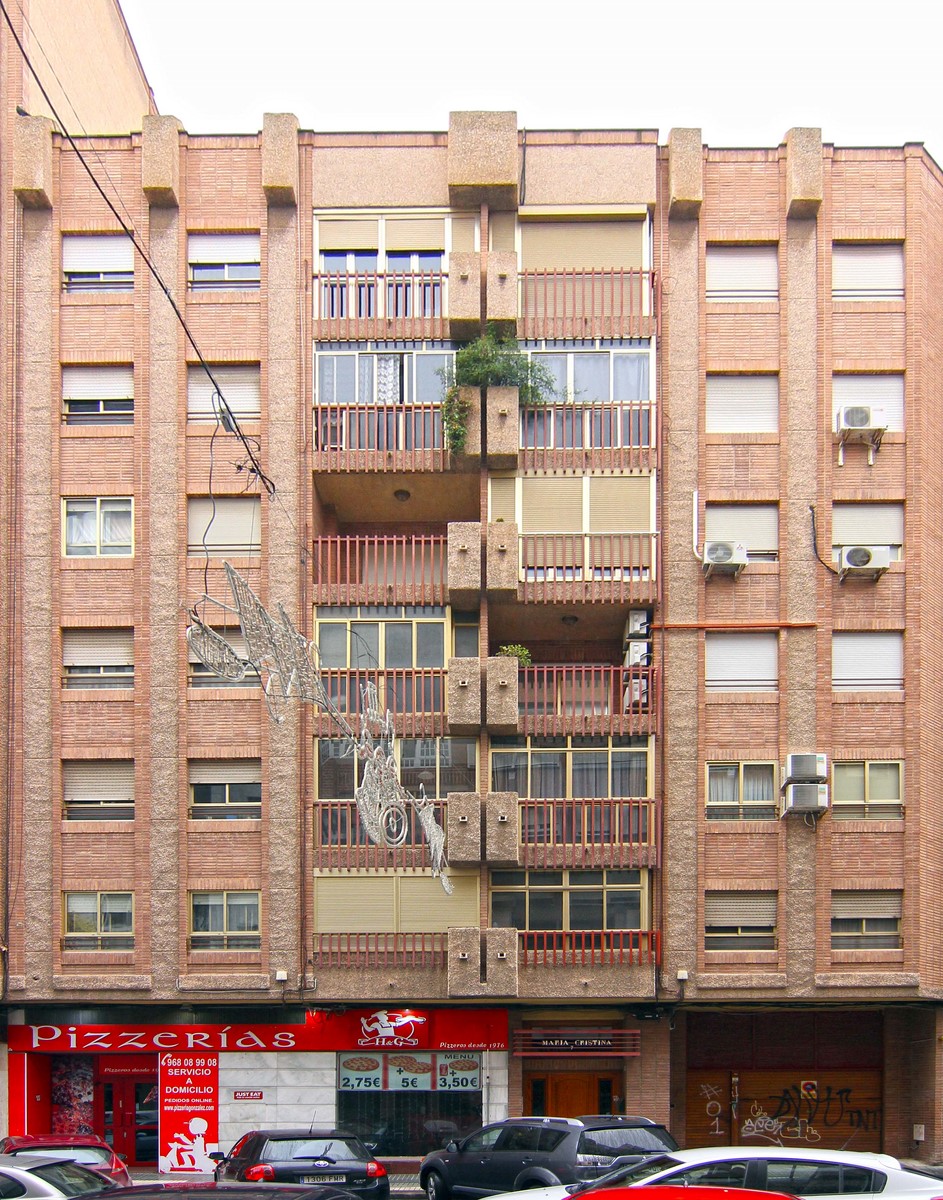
(866, 73)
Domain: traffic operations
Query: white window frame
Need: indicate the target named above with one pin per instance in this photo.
(756, 526)
(98, 395)
(229, 937)
(209, 519)
(866, 920)
(867, 271)
(740, 920)
(741, 662)
(97, 658)
(224, 262)
(870, 661)
(99, 938)
(742, 273)
(742, 403)
(98, 790)
(865, 806)
(94, 262)
(100, 508)
(225, 775)
(742, 809)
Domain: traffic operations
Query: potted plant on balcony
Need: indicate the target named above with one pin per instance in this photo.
(516, 650)
(491, 360)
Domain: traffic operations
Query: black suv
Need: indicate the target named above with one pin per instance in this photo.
(526, 1152)
(327, 1156)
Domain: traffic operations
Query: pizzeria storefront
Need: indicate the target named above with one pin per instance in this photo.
(405, 1079)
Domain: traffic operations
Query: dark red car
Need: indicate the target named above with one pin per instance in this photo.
(85, 1148)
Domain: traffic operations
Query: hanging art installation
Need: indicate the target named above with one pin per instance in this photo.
(287, 665)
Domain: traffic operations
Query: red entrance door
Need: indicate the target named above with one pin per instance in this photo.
(127, 1117)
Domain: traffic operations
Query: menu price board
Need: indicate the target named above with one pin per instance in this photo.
(413, 1071)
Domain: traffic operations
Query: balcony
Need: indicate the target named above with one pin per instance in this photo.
(587, 568)
(340, 842)
(378, 437)
(589, 833)
(616, 436)
(415, 696)
(379, 570)
(588, 947)
(381, 306)
(588, 304)
(365, 950)
(565, 698)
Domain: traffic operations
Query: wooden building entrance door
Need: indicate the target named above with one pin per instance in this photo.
(573, 1093)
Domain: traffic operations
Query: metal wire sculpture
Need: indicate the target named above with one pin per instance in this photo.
(287, 665)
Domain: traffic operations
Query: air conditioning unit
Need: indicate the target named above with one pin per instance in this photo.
(805, 798)
(638, 654)
(636, 625)
(807, 768)
(724, 558)
(635, 696)
(863, 560)
(859, 419)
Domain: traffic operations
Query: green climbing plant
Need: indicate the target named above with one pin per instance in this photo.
(516, 650)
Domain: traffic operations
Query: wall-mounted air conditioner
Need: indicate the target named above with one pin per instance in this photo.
(807, 768)
(870, 561)
(635, 696)
(636, 624)
(638, 654)
(724, 558)
(805, 798)
(860, 419)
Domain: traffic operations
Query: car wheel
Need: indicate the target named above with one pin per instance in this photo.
(436, 1187)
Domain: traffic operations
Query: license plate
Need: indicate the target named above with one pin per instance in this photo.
(323, 1179)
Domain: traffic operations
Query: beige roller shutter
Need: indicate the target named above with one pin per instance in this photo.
(415, 233)
(98, 383)
(552, 504)
(97, 252)
(740, 908)
(98, 780)
(463, 234)
(232, 770)
(502, 499)
(421, 909)
(868, 525)
(233, 526)
(97, 647)
(755, 525)
(742, 403)
(620, 504)
(236, 639)
(741, 662)
(867, 661)
(349, 234)
(241, 385)
(748, 273)
(882, 392)
(502, 227)
(851, 905)
(582, 245)
(224, 248)
(356, 903)
(867, 271)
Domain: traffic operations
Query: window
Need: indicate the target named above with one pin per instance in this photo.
(567, 900)
(577, 767)
(224, 525)
(99, 526)
(866, 920)
(97, 262)
(741, 662)
(98, 790)
(740, 920)
(225, 791)
(729, 1173)
(867, 662)
(867, 271)
(868, 525)
(241, 386)
(413, 283)
(349, 283)
(882, 394)
(97, 658)
(742, 273)
(393, 903)
(224, 921)
(804, 1178)
(99, 921)
(756, 526)
(741, 791)
(224, 261)
(98, 395)
(583, 246)
(742, 404)
(871, 789)
(202, 677)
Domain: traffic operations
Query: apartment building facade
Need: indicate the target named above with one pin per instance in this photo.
(692, 842)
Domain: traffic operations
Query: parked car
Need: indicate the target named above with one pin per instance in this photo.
(529, 1152)
(326, 1156)
(85, 1148)
(44, 1177)
(824, 1174)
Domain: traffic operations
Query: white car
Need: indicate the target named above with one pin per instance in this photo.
(824, 1174)
(48, 1178)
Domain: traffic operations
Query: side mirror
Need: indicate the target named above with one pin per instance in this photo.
(453, 1145)
(122, 1157)
(217, 1156)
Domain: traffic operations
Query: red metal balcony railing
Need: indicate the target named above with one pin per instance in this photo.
(617, 436)
(556, 699)
(379, 569)
(621, 833)
(378, 437)
(381, 305)
(415, 696)
(570, 567)
(341, 843)
(583, 947)
(381, 949)
(588, 304)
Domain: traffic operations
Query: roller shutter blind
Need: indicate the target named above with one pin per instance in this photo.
(552, 505)
(415, 233)
(620, 504)
(98, 383)
(868, 525)
(238, 770)
(867, 661)
(241, 385)
(97, 252)
(582, 245)
(355, 904)
(224, 248)
(884, 392)
(503, 499)
(98, 780)
(463, 233)
(850, 905)
(742, 273)
(233, 528)
(421, 909)
(741, 662)
(742, 404)
(740, 908)
(97, 647)
(868, 271)
(755, 525)
(348, 234)
(502, 228)
(236, 639)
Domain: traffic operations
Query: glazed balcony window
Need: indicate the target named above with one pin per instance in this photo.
(603, 903)
(740, 920)
(97, 658)
(224, 262)
(98, 921)
(98, 527)
(98, 395)
(98, 790)
(868, 790)
(744, 791)
(225, 790)
(866, 920)
(224, 921)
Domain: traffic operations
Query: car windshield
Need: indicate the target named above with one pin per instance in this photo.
(69, 1178)
(80, 1154)
(284, 1149)
(613, 1141)
(627, 1176)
